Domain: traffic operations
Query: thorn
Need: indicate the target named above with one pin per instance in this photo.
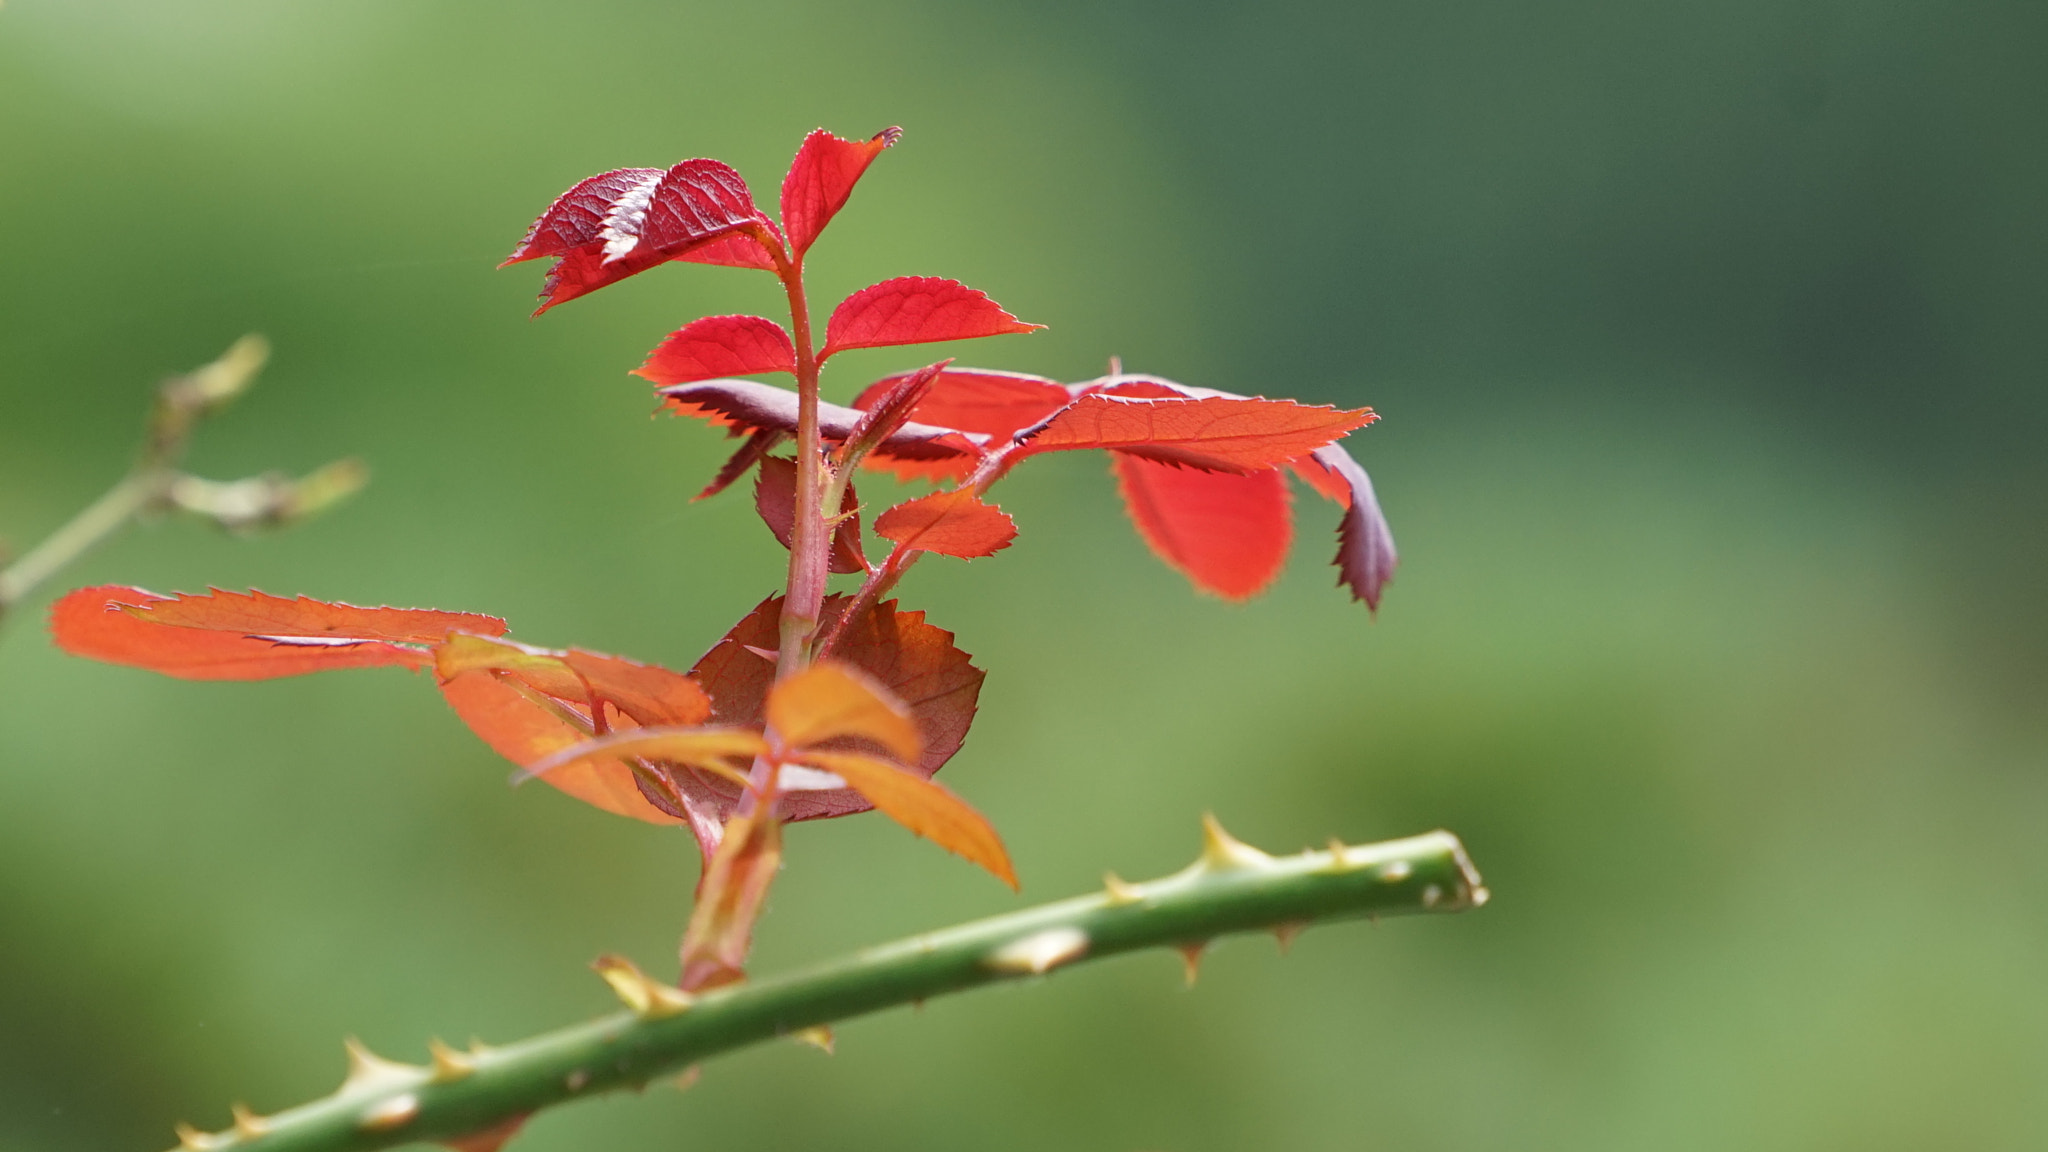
(1431, 896)
(1191, 960)
(1116, 365)
(1395, 871)
(1040, 952)
(1286, 932)
(248, 1125)
(1120, 892)
(649, 999)
(488, 1139)
(366, 1067)
(478, 1048)
(1222, 852)
(688, 1077)
(195, 1140)
(1480, 896)
(1339, 862)
(393, 1112)
(819, 1037)
(449, 1064)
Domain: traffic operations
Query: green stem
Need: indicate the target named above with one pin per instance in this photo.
(1232, 888)
(137, 492)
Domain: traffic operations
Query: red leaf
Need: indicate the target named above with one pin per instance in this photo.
(1365, 545)
(236, 636)
(737, 250)
(695, 201)
(745, 404)
(995, 404)
(624, 222)
(720, 346)
(821, 178)
(775, 500)
(577, 216)
(1227, 434)
(912, 659)
(915, 310)
(1228, 534)
(956, 523)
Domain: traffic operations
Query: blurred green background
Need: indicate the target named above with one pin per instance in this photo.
(1709, 339)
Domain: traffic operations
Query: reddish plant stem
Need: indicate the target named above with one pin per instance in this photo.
(808, 543)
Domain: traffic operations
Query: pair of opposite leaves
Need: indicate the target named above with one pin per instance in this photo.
(1200, 470)
(634, 739)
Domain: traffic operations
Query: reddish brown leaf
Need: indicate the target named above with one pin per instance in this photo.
(729, 901)
(926, 807)
(1228, 534)
(526, 728)
(955, 523)
(775, 500)
(236, 636)
(995, 404)
(750, 406)
(1227, 434)
(915, 661)
(720, 346)
(1365, 545)
(830, 700)
(915, 310)
(821, 178)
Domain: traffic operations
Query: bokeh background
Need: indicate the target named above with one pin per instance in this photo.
(1709, 339)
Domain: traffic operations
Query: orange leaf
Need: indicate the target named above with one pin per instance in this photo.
(1228, 434)
(1226, 533)
(646, 693)
(705, 748)
(234, 636)
(955, 523)
(830, 700)
(925, 807)
(916, 661)
(525, 731)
